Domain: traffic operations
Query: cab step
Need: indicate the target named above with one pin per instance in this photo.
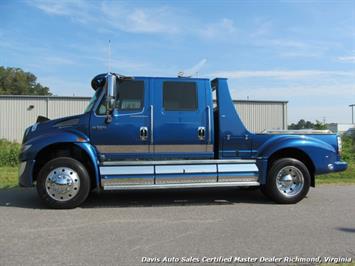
(124, 175)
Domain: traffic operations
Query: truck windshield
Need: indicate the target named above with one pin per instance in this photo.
(92, 101)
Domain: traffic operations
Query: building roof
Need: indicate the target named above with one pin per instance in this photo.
(88, 98)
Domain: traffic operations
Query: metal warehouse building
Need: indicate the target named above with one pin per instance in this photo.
(18, 112)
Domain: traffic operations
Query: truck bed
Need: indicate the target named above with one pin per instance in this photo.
(297, 132)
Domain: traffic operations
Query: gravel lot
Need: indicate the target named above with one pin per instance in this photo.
(126, 228)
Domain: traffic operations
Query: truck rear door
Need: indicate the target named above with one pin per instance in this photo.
(182, 126)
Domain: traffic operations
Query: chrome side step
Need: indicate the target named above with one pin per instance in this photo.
(184, 185)
(178, 174)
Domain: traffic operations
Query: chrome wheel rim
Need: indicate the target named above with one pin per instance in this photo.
(62, 184)
(290, 181)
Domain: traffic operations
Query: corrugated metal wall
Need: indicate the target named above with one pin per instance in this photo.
(18, 112)
(262, 115)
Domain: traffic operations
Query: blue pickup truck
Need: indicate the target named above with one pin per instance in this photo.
(164, 133)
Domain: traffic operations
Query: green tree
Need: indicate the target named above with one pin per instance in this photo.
(15, 81)
(319, 125)
(302, 124)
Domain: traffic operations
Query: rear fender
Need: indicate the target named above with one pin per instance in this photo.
(320, 153)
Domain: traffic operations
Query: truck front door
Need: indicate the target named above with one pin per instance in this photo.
(127, 136)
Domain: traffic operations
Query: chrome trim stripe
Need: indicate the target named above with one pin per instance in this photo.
(182, 169)
(222, 168)
(123, 181)
(157, 148)
(179, 162)
(209, 124)
(186, 185)
(237, 178)
(122, 148)
(183, 148)
(181, 179)
(151, 124)
(126, 170)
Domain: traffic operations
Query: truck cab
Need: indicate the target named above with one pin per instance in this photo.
(161, 133)
(155, 118)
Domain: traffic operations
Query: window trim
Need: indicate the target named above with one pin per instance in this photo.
(123, 111)
(143, 99)
(181, 110)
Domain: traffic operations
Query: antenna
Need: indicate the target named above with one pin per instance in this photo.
(109, 56)
(193, 71)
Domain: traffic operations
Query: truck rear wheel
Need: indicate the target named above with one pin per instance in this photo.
(63, 183)
(288, 181)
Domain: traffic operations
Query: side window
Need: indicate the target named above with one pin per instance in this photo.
(179, 96)
(130, 95)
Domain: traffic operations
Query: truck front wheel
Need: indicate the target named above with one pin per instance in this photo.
(63, 183)
(288, 181)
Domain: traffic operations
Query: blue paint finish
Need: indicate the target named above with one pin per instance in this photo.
(234, 139)
(91, 152)
(181, 127)
(225, 132)
(318, 147)
(123, 130)
(26, 178)
(47, 133)
(262, 165)
(340, 166)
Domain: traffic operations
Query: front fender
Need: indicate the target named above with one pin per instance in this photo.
(320, 153)
(91, 152)
(39, 142)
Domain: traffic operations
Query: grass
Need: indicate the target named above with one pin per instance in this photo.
(8, 177)
(9, 152)
(346, 177)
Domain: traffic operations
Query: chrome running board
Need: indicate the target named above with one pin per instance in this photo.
(185, 185)
(125, 175)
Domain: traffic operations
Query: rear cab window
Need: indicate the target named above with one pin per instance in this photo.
(180, 96)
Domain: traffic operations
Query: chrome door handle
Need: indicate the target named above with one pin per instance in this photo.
(143, 133)
(201, 132)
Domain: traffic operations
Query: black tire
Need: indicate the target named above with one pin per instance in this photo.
(84, 180)
(271, 190)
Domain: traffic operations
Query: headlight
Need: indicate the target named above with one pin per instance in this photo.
(339, 144)
(34, 127)
(27, 131)
(25, 147)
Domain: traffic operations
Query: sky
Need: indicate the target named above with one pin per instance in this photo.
(302, 52)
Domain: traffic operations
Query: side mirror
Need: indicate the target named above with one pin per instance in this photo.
(110, 95)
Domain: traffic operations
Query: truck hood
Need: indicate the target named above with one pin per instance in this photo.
(44, 125)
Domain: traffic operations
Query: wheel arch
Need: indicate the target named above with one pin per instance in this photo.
(67, 149)
(295, 154)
